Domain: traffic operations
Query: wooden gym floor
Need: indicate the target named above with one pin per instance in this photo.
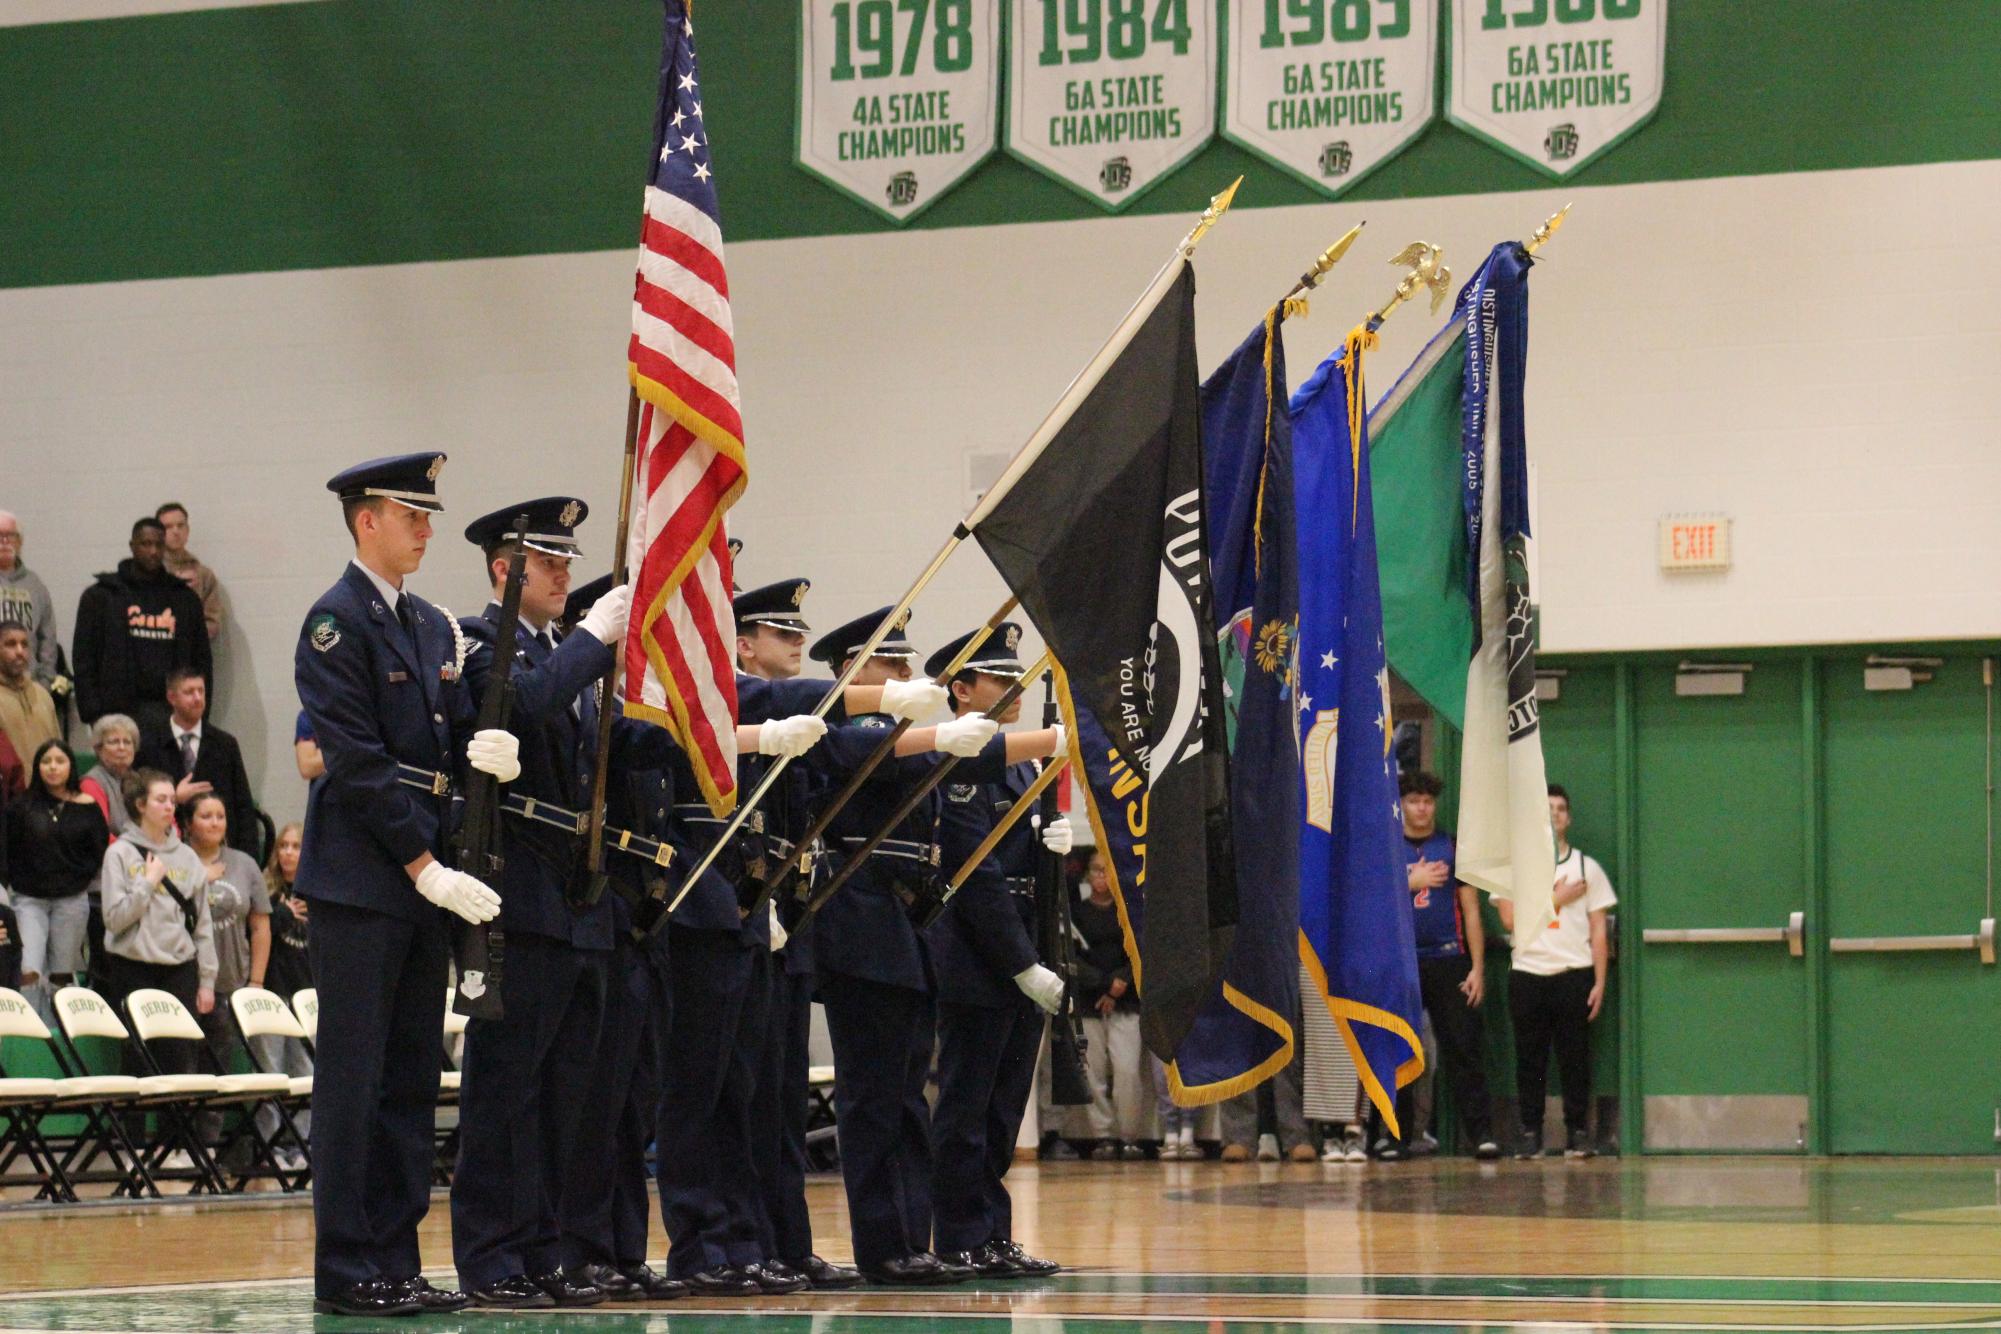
(1639, 1244)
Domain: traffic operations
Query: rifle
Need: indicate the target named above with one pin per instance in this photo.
(480, 949)
(1069, 1085)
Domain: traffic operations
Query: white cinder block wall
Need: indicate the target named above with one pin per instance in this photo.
(1811, 354)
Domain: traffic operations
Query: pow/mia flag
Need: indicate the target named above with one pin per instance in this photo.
(1101, 537)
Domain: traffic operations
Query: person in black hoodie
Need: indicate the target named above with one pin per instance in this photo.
(133, 626)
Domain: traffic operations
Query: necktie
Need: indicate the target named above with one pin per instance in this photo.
(409, 619)
(187, 753)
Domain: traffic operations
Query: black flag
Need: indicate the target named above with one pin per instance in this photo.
(1101, 537)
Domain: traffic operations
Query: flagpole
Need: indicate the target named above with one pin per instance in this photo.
(594, 886)
(1547, 230)
(1027, 455)
(1318, 269)
(1421, 258)
(1023, 804)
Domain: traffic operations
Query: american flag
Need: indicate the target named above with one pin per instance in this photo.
(678, 666)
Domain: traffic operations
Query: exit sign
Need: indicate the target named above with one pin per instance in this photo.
(1695, 542)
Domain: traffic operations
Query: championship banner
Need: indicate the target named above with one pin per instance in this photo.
(1556, 82)
(1329, 92)
(1109, 96)
(897, 98)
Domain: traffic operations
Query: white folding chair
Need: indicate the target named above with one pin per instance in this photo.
(82, 1013)
(23, 1102)
(96, 1099)
(306, 1008)
(259, 1013)
(158, 1016)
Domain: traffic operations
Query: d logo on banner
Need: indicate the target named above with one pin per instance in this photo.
(1329, 90)
(1109, 96)
(897, 101)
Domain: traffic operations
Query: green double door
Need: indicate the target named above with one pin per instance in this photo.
(1802, 869)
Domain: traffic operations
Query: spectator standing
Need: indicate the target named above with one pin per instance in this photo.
(1557, 988)
(158, 931)
(187, 567)
(55, 839)
(1118, 1115)
(288, 971)
(134, 626)
(1451, 965)
(239, 910)
(202, 758)
(114, 739)
(25, 598)
(27, 710)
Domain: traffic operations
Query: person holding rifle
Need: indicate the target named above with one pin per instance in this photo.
(377, 669)
(992, 990)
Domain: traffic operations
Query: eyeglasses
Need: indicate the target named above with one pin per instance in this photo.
(9, 537)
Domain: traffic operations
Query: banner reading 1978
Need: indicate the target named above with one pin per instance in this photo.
(1556, 82)
(897, 98)
(1329, 89)
(1109, 96)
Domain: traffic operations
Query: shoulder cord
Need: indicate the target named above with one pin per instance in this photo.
(458, 637)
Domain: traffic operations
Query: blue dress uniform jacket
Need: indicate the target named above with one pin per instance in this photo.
(376, 701)
(986, 934)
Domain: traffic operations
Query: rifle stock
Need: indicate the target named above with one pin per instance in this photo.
(480, 949)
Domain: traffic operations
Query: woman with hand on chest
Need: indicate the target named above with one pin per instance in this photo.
(158, 930)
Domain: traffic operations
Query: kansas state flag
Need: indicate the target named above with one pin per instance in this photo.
(1243, 1033)
(1355, 933)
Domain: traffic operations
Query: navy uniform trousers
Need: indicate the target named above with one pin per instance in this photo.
(986, 1074)
(882, 1053)
(778, 1109)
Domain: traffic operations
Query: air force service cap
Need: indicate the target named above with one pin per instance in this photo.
(776, 605)
(407, 479)
(838, 645)
(552, 526)
(995, 657)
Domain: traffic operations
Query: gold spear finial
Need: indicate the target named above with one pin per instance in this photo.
(1218, 206)
(1547, 230)
(1421, 259)
(1318, 270)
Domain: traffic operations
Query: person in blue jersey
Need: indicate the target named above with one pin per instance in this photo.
(873, 969)
(378, 671)
(526, 1071)
(992, 990)
(1451, 962)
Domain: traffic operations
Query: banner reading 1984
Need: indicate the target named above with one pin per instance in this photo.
(1556, 82)
(897, 98)
(1329, 89)
(1109, 96)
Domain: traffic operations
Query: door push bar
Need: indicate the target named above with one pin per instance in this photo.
(1982, 940)
(1792, 935)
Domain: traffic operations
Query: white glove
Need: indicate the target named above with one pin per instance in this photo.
(778, 933)
(492, 751)
(457, 892)
(964, 737)
(1057, 836)
(1062, 751)
(792, 736)
(905, 700)
(607, 616)
(1042, 986)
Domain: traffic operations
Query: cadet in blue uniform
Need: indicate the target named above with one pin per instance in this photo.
(874, 975)
(990, 985)
(525, 1073)
(605, 1205)
(378, 672)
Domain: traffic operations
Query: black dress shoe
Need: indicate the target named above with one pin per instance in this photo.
(435, 1301)
(653, 1287)
(1031, 1266)
(984, 1261)
(825, 1275)
(916, 1271)
(518, 1293)
(376, 1297)
(773, 1277)
(617, 1287)
(568, 1289)
(722, 1281)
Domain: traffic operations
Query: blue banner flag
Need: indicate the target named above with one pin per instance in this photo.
(1355, 933)
(1244, 1032)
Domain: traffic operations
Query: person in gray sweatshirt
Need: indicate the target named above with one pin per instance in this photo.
(157, 927)
(25, 598)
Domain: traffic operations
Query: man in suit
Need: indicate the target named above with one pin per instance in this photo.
(377, 669)
(990, 985)
(201, 758)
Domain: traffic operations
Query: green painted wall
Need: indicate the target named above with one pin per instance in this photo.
(361, 132)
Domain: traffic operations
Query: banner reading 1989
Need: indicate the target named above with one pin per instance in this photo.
(1109, 96)
(897, 98)
(1329, 89)
(1556, 82)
